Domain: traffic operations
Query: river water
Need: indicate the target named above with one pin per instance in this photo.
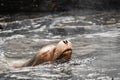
(95, 37)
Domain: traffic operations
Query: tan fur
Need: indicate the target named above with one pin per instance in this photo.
(62, 51)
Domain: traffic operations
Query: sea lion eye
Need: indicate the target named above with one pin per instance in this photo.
(65, 41)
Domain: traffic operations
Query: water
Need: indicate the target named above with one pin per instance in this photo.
(94, 35)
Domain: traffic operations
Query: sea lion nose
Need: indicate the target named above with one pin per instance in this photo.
(65, 41)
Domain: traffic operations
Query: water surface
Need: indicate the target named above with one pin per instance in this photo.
(95, 38)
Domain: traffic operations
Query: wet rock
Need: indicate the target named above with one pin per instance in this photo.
(57, 5)
(1, 28)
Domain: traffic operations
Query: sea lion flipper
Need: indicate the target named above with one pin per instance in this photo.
(37, 59)
(37, 62)
(40, 58)
(29, 62)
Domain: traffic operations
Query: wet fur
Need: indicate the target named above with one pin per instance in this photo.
(51, 55)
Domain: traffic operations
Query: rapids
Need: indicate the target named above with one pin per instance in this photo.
(95, 37)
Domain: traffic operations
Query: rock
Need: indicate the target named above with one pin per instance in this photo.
(1, 28)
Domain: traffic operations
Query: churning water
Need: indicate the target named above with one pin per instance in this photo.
(95, 38)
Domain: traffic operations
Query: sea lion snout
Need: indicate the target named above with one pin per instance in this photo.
(63, 50)
(63, 45)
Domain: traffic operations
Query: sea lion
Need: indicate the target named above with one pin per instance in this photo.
(51, 53)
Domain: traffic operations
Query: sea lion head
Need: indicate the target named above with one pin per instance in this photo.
(63, 51)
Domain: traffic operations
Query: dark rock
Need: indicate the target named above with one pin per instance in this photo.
(10, 6)
(1, 28)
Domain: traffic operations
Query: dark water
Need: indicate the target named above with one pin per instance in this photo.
(95, 37)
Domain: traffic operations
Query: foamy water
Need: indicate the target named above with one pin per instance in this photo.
(95, 48)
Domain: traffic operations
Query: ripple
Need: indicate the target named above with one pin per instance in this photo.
(95, 47)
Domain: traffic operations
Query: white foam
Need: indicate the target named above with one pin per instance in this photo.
(15, 36)
(60, 20)
(107, 34)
